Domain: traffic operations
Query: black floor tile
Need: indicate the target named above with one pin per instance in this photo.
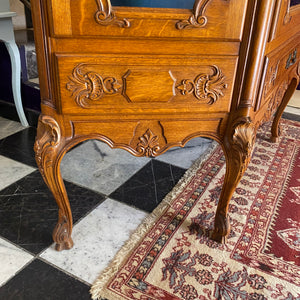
(9, 111)
(147, 188)
(40, 281)
(19, 146)
(28, 212)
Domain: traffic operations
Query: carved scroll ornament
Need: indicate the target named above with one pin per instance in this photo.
(197, 19)
(205, 86)
(90, 86)
(148, 145)
(105, 15)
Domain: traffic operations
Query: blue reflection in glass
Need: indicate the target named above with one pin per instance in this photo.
(155, 3)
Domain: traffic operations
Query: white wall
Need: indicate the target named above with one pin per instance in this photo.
(19, 21)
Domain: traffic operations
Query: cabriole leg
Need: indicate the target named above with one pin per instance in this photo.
(48, 152)
(238, 149)
(275, 131)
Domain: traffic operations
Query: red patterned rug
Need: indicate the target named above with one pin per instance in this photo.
(171, 257)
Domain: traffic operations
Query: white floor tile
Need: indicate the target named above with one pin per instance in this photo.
(8, 127)
(96, 166)
(97, 239)
(12, 171)
(12, 259)
(185, 157)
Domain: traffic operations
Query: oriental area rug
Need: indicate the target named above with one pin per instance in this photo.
(170, 256)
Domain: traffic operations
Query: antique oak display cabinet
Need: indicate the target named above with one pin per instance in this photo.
(146, 79)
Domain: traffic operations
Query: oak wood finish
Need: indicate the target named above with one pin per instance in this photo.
(148, 79)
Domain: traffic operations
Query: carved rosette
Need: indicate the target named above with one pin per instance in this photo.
(148, 145)
(205, 86)
(48, 138)
(90, 86)
(105, 15)
(243, 141)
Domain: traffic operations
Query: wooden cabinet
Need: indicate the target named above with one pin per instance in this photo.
(147, 79)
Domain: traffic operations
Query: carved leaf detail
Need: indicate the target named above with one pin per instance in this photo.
(148, 145)
(205, 87)
(243, 141)
(91, 86)
(46, 142)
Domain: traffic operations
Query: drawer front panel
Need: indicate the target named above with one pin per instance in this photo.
(132, 84)
(279, 67)
(212, 18)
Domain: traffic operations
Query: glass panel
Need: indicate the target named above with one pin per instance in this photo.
(294, 2)
(155, 3)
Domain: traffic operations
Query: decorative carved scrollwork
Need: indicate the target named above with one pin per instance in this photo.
(46, 142)
(148, 145)
(105, 15)
(205, 86)
(243, 141)
(90, 86)
(197, 19)
(275, 102)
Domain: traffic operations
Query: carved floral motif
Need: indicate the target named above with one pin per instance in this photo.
(205, 86)
(105, 15)
(90, 86)
(148, 145)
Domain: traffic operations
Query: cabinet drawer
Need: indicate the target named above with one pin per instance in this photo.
(213, 18)
(110, 84)
(279, 70)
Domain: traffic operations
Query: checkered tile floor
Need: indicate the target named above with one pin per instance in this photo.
(110, 193)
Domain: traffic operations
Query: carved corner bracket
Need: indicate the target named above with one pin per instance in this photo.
(89, 86)
(208, 87)
(105, 15)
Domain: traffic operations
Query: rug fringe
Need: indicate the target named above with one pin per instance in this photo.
(144, 227)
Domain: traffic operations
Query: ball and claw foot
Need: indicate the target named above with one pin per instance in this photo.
(221, 230)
